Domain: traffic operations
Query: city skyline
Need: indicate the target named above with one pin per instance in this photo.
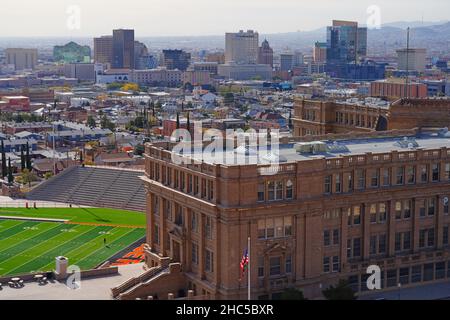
(78, 18)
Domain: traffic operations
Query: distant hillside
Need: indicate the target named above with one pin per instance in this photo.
(434, 36)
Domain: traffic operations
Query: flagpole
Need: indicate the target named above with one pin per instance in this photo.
(249, 279)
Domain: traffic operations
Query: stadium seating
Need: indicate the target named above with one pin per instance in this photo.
(96, 187)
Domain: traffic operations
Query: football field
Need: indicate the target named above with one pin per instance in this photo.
(31, 246)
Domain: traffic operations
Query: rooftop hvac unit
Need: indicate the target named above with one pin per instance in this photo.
(407, 143)
(311, 147)
(338, 148)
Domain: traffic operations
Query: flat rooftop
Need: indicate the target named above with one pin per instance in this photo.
(288, 153)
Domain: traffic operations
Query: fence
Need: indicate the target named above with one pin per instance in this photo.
(37, 204)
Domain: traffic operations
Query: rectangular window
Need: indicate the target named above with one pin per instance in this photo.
(336, 265)
(350, 181)
(356, 215)
(447, 171)
(422, 235)
(275, 266)
(407, 240)
(435, 172)
(431, 206)
(398, 241)
(271, 188)
(373, 245)
(373, 213)
(326, 238)
(327, 185)
(209, 261)
(194, 253)
(357, 247)
(336, 239)
(398, 210)
(156, 235)
(360, 178)
(261, 229)
(421, 205)
(424, 173)
(270, 229)
(288, 266)
(287, 226)
(338, 184)
(382, 243)
(279, 190)
(374, 179)
(209, 228)
(289, 190)
(386, 177)
(261, 192)
(430, 242)
(194, 222)
(382, 212)
(260, 266)
(411, 175)
(407, 209)
(400, 172)
(279, 231)
(326, 264)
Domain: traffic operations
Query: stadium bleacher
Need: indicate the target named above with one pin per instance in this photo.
(96, 187)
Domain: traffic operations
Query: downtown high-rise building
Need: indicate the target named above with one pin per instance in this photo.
(265, 54)
(123, 49)
(103, 50)
(346, 42)
(21, 58)
(176, 59)
(242, 47)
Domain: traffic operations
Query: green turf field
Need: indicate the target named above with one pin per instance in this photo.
(98, 216)
(28, 246)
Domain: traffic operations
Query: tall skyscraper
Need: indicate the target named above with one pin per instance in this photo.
(320, 52)
(242, 47)
(21, 58)
(346, 42)
(103, 50)
(176, 59)
(123, 49)
(286, 61)
(265, 54)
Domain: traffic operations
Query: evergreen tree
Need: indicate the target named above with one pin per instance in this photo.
(28, 158)
(4, 171)
(22, 159)
(188, 125)
(10, 173)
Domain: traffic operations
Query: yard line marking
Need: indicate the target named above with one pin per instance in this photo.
(28, 249)
(23, 240)
(113, 243)
(53, 248)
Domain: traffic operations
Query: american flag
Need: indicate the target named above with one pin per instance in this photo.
(244, 262)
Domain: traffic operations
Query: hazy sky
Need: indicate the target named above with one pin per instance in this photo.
(199, 17)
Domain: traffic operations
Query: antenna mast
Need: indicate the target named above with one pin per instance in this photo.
(407, 65)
